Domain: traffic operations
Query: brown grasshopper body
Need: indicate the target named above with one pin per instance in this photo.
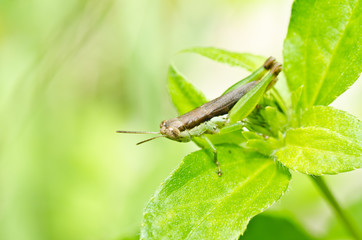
(206, 118)
(173, 127)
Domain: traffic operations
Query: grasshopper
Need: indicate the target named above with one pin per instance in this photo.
(212, 116)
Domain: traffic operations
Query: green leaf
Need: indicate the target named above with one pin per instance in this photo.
(264, 146)
(329, 142)
(335, 120)
(323, 48)
(252, 135)
(295, 97)
(274, 228)
(274, 119)
(247, 61)
(230, 137)
(260, 146)
(184, 95)
(221, 138)
(194, 203)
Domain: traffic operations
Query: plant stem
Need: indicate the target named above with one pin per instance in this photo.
(348, 222)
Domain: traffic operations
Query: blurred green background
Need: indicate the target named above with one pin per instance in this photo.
(73, 72)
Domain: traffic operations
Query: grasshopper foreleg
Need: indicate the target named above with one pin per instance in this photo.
(214, 126)
(214, 151)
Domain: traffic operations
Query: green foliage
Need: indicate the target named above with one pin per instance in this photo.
(322, 50)
(247, 61)
(322, 59)
(184, 95)
(334, 120)
(274, 228)
(318, 151)
(194, 203)
(275, 119)
(73, 72)
(329, 141)
(244, 60)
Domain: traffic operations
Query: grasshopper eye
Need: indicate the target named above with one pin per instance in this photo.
(163, 123)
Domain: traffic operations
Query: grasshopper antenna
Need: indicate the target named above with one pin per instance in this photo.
(142, 132)
(138, 132)
(149, 139)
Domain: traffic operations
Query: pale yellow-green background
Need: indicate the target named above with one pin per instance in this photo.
(73, 72)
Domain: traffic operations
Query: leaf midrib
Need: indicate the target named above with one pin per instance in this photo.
(306, 55)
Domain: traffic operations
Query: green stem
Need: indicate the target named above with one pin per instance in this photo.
(346, 220)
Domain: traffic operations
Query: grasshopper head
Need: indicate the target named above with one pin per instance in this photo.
(171, 129)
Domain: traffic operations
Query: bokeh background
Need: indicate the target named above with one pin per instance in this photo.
(73, 72)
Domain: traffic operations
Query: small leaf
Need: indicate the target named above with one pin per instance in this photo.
(194, 203)
(264, 146)
(247, 61)
(260, 146)
(252, 135)
(274, 119)
(329, 142)
(335, 120)
(230, 137)
(322, 50)
(184, 95)
(295, 98)
(274, 228)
